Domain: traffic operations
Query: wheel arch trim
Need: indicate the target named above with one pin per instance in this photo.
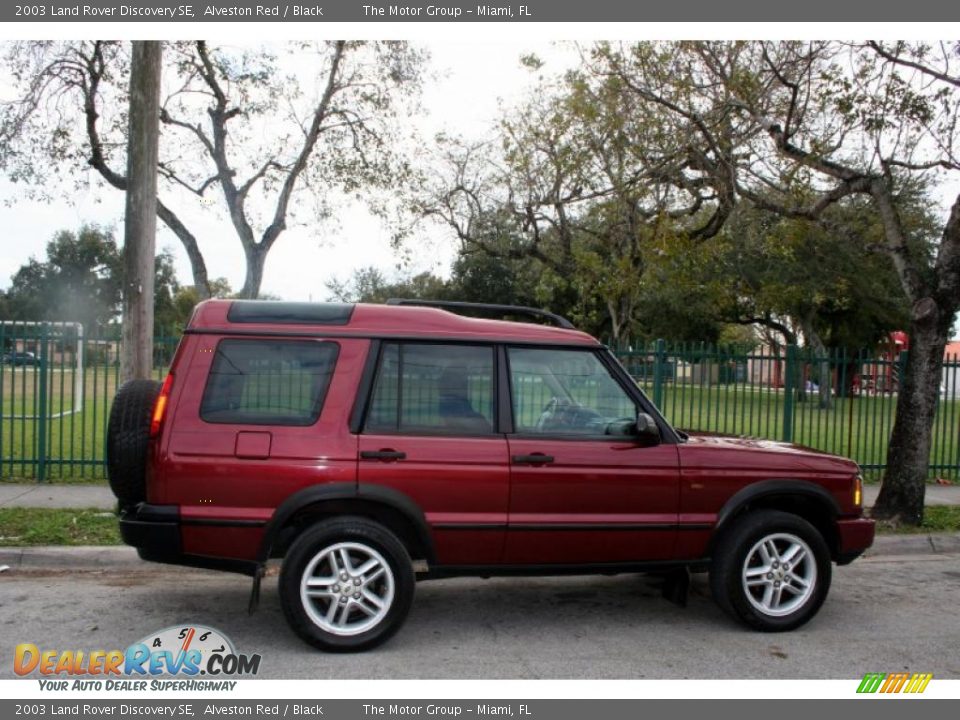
(371, 494)
(771, 488)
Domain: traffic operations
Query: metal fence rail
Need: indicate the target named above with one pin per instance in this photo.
(56, 388)
(840, 403)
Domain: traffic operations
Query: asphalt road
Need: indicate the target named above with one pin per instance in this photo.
(884, 614)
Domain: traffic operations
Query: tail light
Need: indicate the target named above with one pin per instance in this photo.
(160, 406)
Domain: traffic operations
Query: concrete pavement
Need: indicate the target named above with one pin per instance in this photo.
(99, 496)
(884, 613)
(46, 495)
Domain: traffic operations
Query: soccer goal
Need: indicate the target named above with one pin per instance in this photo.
(41, 369)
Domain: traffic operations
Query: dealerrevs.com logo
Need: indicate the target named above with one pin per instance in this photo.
(176, 658)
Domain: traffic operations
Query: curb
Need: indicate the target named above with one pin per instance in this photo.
(81, 557)
(914, 545)
(123, 558)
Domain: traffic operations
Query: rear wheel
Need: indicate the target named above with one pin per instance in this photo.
(128, 440)
(346, 585)
(771, 571)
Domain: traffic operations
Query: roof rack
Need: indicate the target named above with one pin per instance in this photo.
(557, 320)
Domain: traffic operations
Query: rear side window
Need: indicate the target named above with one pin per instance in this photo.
(433, 389)
(268, 382)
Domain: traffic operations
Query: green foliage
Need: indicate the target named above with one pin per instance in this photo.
(185, 299)
(81, 281)
(78, 282)
(370, 285)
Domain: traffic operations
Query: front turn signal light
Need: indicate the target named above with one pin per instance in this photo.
(857, 491)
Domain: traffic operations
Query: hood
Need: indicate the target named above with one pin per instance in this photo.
(728, 451)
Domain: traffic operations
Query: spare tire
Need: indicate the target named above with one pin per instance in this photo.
(128, 440)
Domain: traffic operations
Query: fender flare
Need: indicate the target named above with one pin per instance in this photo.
(766, 488)
(375, 494)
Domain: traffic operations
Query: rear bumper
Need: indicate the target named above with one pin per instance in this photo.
(155, 531)
(152, 528)
(853, 537)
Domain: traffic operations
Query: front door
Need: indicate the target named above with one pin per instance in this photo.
(583, 488)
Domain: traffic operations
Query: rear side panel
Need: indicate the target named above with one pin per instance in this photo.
(227, 478)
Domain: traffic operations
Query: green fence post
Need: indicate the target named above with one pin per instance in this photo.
(789, 381)
(41, 412)
(659, 358)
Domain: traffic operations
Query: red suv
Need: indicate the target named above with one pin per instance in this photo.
(372, 445)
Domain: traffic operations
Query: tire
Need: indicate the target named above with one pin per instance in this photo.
(756, 578)
(363, 608)
(128, 440)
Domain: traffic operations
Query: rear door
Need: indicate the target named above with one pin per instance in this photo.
(431, 433)
(584, 490)
(258, 418)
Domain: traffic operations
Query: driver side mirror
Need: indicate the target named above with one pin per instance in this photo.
(648, 433)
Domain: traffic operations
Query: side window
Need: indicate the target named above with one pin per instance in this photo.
(566, 392)
(268, 382)
(421, 388)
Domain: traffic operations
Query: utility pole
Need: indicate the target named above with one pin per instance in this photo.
(140, 227)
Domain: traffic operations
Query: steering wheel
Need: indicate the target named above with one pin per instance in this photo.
(565, 414)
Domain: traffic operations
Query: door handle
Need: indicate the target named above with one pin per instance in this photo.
(532, 459)
(382, 455)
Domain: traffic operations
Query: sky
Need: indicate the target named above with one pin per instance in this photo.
(469, 81)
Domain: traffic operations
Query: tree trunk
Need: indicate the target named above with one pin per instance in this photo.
(848, 371)
(908, 455)
(821, 361)
(198, 266)
(256, 259)
(140, 226)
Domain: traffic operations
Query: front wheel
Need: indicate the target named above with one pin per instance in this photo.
(346, 585)
(771, 571)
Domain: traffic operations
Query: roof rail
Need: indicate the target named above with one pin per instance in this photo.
(557, 320)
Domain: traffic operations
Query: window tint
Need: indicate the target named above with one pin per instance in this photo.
(566, 392)
(433, 389)
(268, 382)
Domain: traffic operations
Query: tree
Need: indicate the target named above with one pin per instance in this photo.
(797, 128)
(370, 285)
(575, 181)
(238, 123)
(78, 282)
(140, 217)
(166, 289)
(185, 299)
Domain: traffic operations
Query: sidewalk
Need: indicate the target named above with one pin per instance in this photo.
(47, 495)
(99, 496)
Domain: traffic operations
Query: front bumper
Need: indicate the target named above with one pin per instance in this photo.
(853, 537)
(155, 531)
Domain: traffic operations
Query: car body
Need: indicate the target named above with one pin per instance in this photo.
(480, 447)
(20, 359)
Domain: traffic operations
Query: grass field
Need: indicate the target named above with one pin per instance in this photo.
(74, 438)
(858, 428)
(45, 526)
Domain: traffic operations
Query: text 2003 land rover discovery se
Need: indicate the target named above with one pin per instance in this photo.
(371, 444)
